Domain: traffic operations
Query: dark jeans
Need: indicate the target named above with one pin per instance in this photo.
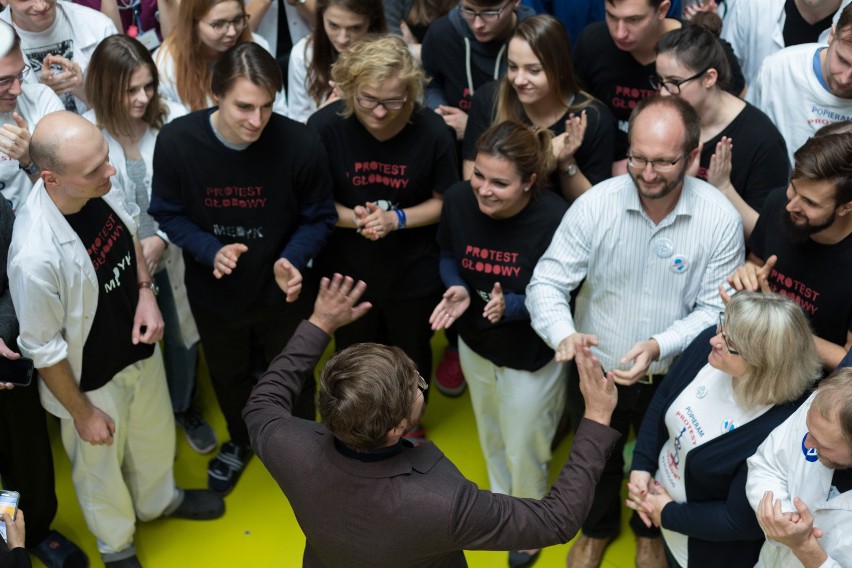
(604, 520)
(228, 351)
(400, 323)
(26, 464)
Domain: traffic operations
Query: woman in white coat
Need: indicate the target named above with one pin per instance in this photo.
(121, 85)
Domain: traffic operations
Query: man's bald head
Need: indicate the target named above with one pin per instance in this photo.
(56, 136)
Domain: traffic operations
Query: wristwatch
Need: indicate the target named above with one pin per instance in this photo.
(32, 169)
(150, 285)
(571, 170)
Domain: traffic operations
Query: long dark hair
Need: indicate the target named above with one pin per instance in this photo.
(324, 54)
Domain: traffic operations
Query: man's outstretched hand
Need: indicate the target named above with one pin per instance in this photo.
(337, 303)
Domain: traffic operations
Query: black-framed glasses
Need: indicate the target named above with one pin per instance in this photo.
(221, 26)
(672, 86)
(369, 103)
(485, 15)
(660, 165)
(720, 329)
(6, 82)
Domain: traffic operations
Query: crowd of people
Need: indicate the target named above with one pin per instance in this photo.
(626, 215)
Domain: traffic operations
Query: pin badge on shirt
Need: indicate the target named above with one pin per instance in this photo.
(679, 264)
(701, 391)
(663, 247)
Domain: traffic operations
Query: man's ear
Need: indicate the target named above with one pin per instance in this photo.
(663, 9)
(49, 178)
(844, 209)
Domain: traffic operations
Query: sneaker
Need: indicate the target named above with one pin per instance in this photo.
(448, 376)
(416, 435)
(199, 434)
(224, 470)
(199, 505)
(129, 562)
(56, 551)
(523, 558)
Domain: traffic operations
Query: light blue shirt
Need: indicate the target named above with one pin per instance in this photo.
(642, 280)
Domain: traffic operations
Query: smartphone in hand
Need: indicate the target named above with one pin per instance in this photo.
(9, 505)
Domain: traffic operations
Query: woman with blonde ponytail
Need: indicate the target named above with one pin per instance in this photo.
(493, 230)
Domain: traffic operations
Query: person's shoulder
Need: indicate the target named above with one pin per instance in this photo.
(327, 117)
(457, 194)
(607, 190)
(426, 118)
(91, 20)
(708, 199)
(595, 33)
(783, 59)
(37, 100)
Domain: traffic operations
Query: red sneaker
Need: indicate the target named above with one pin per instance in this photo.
(449, 378)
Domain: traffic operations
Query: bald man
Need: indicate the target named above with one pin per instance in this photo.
(89, 321)
(652, 246)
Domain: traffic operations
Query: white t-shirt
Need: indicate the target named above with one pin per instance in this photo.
(703, 411)
(790, 94)
(301, 104)
(168, 79)
(33, 103)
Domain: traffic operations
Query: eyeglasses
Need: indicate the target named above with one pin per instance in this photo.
(422, 385)
(221, 26)
(6, 82)
(720, 329)
(673, 87)
(661, 165)
(485, 15)
(369, 103)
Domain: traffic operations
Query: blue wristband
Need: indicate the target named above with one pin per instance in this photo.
(400, 215)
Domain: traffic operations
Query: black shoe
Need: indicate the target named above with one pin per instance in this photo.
(56, 551)
(521, 559)
(225, 469)
(199, 434)
(199, 505)
(129, 562)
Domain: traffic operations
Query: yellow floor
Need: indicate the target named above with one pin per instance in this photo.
(259, 530)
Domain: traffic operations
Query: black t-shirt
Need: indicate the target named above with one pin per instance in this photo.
(797, 30)
(759, 162)
(842, 480)
(490, 250)
(612, 76)
(815, 276)
(620, 82)
(109, 243)
(400, 172)
(273, 196)
(593, 156)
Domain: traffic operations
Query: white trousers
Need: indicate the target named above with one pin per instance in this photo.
(133, 477)
(516, 415)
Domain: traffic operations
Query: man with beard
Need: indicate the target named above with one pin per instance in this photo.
(800, 481)
(805, 238)
(646, 251)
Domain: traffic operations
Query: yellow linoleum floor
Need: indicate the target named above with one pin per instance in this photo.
(259, 529)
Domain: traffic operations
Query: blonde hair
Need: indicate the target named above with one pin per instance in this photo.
(375, 59)
(772, 335)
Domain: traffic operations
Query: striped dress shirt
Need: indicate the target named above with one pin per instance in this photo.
(642, 280)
